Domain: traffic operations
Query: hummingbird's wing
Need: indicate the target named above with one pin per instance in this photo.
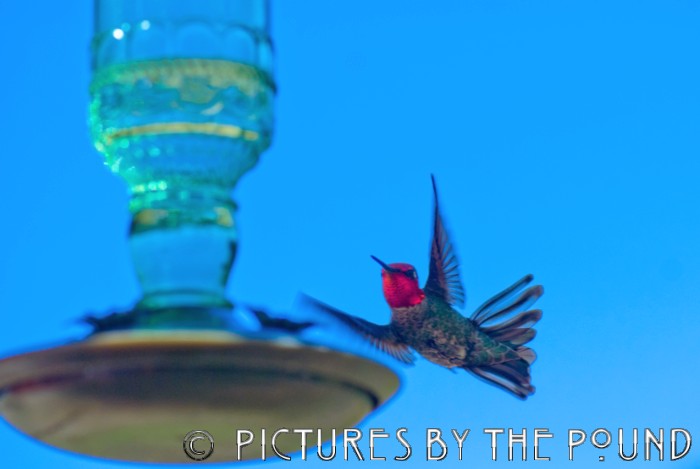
(382, 337)
(443, 277)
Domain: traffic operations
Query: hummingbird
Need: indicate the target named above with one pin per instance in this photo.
(490, 344)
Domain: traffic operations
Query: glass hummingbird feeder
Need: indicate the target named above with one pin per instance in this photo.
(181, 107)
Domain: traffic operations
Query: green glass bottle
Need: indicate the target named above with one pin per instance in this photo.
(181, 106)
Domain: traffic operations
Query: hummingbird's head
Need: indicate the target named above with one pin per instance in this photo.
(400, 284)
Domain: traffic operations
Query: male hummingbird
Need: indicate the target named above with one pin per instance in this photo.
(490, 344)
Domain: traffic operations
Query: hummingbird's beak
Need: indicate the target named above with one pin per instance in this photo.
(386, 267)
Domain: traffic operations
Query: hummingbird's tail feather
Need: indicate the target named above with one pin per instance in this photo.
(517, 330)
(527, 354)
(521, 303)
(514, 330)
(496, 302)
(512, 376)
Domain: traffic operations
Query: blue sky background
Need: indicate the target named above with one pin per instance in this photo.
(564, 137)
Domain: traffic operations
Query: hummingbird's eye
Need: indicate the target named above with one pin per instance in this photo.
(411, 274)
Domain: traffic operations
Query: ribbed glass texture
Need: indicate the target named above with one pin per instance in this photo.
(181, 106)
